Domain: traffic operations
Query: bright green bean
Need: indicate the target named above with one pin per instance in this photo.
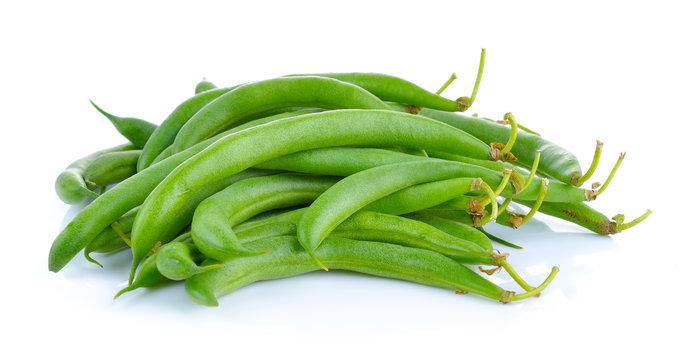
(269, 97)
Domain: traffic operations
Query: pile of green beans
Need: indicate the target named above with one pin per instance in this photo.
(364, 172)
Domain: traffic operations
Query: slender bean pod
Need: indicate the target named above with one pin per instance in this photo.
(268, 97)
(288, 258)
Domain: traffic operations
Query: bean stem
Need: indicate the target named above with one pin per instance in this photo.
(619, 221)
(515, 297)
(465, 102)
(610, 176)
(492, 197)
(479, 76)
(533, 171)
(504, 182)
(501, 261)
(513, 133)
(538, 202)
(122, 235)
(595, 162)
(446, 84)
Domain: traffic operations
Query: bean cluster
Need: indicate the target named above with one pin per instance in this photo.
(364, 172)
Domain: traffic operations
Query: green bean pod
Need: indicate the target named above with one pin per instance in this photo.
(373, 226)
(70, 185)
(164, 135)
(268, 97)
(204, 85)
(214, 218)
(392, 88)
(555, 161)
(238, 151)
(288, 258)
(135, 130)
(112, 167)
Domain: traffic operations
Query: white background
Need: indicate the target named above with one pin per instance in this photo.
(613, 71)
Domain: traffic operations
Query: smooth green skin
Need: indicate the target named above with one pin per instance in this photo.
(287, 258)
(264, 98)
(577, 213)
(373, 226)
(392, 88)
(555, 162)
(177, 261)
(455, 228)
(344, 161)
(214, 218)
(70, 185)
(204, 85)
(164, 135)
(168, 151)
(421, 196)
(238, 151)
(336, 161)
(112, 167)
(135, 130)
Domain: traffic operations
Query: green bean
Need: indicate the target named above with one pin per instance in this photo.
(70, 185)
(204, 85)
(164, 135)
(392, 88)
(354, 192)
(177, 261)
(373, 226)
(214, 218)
(585, 216)
(288, 258)
(238, 151)
(135, 130)
(269, 97)
(110, 168)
